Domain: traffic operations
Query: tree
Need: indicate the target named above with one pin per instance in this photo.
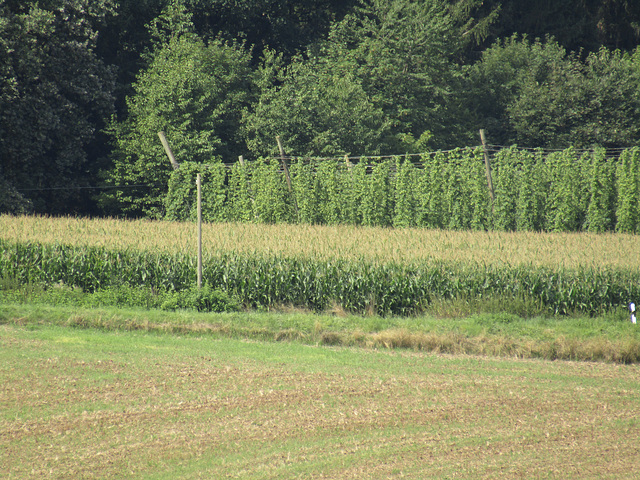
(611, 100)
(504, 71)
(286, 26)
(54, 95)
(403, 52)
(384, 81)
(581, 104)
(576, 24)
(194, 92)
(318, 108)
(535, 93)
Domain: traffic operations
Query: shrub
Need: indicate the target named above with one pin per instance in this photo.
(205, 299)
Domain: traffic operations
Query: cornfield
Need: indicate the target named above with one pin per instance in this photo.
(329, 242)
(265, 269)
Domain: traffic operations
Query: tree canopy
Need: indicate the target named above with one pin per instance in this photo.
(85, 86)
(55, 94)
(192, 91)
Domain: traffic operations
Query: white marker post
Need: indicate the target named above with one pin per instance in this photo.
(632, 309)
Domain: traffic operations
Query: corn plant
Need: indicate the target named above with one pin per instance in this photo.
(358, 285)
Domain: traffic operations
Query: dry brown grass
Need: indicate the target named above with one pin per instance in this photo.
(87, 405)
(377, 244)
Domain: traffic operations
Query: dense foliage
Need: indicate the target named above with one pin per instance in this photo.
(356, 286)
(85, 86)
(194, 93)
(55, 94)
(562, 191)
(536, 93)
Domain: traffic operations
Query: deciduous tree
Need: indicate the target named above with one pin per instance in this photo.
(194, 92)
(54, 95)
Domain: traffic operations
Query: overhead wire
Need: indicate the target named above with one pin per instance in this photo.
(611, 152)
(89, 187)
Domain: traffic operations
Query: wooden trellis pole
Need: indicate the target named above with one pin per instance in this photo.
(487, 165)
(167, 149)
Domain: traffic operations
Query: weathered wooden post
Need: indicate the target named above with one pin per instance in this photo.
(487, 165)
(285, 167)
(167, 149)
(199, 199)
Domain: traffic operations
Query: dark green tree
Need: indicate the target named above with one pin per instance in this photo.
(287, 26)
(535, 93)
(54, 95)
(575, 24)
(318, 108)
(403, 52)
(195, 93)
(384, 81)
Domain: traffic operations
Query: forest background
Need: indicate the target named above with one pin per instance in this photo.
(85, 85)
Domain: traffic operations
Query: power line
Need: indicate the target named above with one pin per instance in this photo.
(106, 187)
(493, 148)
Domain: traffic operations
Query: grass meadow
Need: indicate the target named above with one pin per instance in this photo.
(87, 403)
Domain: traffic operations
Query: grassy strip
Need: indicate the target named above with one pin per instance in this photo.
(504, 335)
(82, 403)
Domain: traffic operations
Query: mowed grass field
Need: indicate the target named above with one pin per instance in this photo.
(94, 404)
